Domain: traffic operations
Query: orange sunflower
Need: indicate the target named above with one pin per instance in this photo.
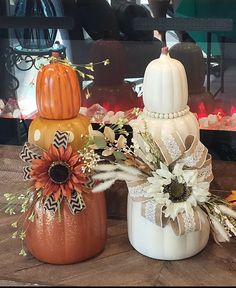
(59, 172)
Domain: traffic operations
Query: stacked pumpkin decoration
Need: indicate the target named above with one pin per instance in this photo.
(165, 96)
(109, 84)
(77, 234)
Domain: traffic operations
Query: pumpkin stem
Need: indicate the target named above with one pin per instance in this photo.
(164, 50)
(55, 57)
(55, 54)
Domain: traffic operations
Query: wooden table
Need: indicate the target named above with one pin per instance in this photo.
(118, 265)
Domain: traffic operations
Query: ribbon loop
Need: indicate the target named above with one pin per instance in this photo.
(171, 147)
(61, 139)
(187, 222)
(194, 156)
(206, 170)
(76, 203)
(30, 152)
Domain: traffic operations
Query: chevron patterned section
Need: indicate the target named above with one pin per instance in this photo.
(27, 154)
(61, 139)
(51, 205)
(26, 173)
(89, 184)
(76, 203)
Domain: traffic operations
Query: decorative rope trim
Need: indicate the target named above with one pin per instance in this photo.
(166, 115)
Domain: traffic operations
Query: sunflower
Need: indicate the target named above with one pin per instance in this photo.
(179, 190)
(59, 171)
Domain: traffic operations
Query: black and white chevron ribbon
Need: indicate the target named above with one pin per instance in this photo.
(51, 205)
(76, 203)
(30, 152)
(61, 139)
(26, 173)
(89, 184)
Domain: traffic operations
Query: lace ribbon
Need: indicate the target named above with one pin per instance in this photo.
(152, 211)
(193, 154)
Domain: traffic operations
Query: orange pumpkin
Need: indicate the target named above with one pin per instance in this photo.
(57, 92)
(42, 131)
(75, 238)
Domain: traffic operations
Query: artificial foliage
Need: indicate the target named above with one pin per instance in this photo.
(107, 157)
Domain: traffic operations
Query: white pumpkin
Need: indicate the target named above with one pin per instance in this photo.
(165, 88)
(160, 243)
(165, 96)
(159, 127)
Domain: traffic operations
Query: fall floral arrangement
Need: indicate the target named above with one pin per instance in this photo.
(171, 179)
(55, 174)
(174, 178)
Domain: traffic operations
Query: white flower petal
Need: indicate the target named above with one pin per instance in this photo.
(164, 173)
(190, 177)
(178, 169)
(163, 166)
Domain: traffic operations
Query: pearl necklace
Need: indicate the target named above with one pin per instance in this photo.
(166, 115)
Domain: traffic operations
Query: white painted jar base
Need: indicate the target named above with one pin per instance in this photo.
(162, 243)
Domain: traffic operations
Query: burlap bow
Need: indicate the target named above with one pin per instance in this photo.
(193, 155)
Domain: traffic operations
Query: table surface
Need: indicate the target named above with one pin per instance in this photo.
(119, 264)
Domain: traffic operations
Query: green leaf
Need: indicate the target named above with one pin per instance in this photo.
(14, 234)
(119, 155)
(106, 62)
(22, 252)
(14, 224)
(90, 76)
(100, 142)
(12, 212)
(89, 66)
(81, 74)
(22, 235)
(31, 217)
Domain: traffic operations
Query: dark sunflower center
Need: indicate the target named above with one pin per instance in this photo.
(59, 172)
(179, 192)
